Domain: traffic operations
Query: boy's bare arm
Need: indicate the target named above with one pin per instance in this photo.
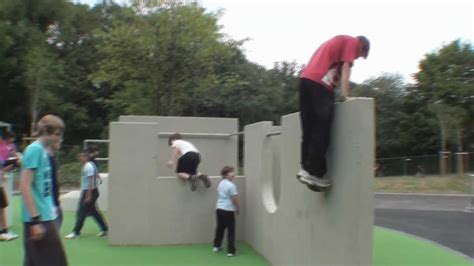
(89, 190)
(235, 201)
(25, 188)
(174, 157)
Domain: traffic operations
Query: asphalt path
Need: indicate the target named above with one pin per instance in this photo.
(439, 218)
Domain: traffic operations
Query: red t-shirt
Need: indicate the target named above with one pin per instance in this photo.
(325, 65)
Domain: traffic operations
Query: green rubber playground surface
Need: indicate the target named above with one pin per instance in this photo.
(390, 248)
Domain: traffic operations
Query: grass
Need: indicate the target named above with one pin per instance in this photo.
(390, 249)
(395, 249)
(451, 184)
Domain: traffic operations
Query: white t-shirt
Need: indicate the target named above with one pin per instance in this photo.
(225, 191)
(88, 170)
(184, 146)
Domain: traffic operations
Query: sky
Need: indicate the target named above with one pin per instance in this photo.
(400, 32)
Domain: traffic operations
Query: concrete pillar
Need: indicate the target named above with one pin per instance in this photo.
(302, 227)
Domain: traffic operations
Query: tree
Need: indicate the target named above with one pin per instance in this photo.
(43, 72)
(447, 75)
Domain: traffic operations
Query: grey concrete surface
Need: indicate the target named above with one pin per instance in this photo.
(296, 226)
(452, 229)
(147, 208)
(215, 151)
(422, 202)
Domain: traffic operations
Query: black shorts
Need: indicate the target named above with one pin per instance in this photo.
(188, 163)
(3, 198)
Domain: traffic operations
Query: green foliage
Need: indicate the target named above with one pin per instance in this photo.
(447, 76)
(90, 65)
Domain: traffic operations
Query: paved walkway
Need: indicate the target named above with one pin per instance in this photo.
(437, 218)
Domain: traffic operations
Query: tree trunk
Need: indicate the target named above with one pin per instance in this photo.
(34, 105)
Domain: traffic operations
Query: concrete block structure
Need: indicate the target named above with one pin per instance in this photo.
(209, 135)
(145, 195)
(281, 218)
(291, 225)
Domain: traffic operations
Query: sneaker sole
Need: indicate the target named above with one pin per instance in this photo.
(316, 188)
(314, 183)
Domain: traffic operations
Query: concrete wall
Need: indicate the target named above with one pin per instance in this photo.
(282, 219)
(215, 151)
(291, 225)
(146, 208)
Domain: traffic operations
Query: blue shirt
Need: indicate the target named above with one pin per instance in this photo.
(36, 158)
(88, 170)
(225, 191)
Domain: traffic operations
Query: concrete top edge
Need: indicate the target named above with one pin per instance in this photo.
(213, 177)
(132, 123)
(174, 117)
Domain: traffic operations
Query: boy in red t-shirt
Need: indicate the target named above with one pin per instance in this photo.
(330, 64)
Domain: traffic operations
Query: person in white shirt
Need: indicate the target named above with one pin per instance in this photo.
(226, 208)
(186, 157)
(87, 202)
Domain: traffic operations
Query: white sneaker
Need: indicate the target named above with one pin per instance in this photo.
(302, 173)
(71, 236)
(102, 234)
(216, 249)
(230, 254)
(8, 236)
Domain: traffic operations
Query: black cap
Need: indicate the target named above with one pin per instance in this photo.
(365, 45)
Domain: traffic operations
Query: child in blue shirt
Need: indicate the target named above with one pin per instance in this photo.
(226, 207)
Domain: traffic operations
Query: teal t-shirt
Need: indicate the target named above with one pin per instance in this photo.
(36, 158)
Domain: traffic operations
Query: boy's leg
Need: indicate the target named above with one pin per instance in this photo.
(323, 109)
(81, 214)
(220, 227)
(3, 206)
(181, 170)
(186, 169)
(5, 234)
(27, 246)
(204, 178)
(46, 251)
(184, 176)
(95, 212)
(3, 221)
(230, 222)
(306, 119)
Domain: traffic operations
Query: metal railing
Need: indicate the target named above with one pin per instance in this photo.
(276, 133)
(215, 135)
(87, 141)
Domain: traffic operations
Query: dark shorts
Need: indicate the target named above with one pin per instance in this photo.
(48, 251)
(188, 163)
(3, 198)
